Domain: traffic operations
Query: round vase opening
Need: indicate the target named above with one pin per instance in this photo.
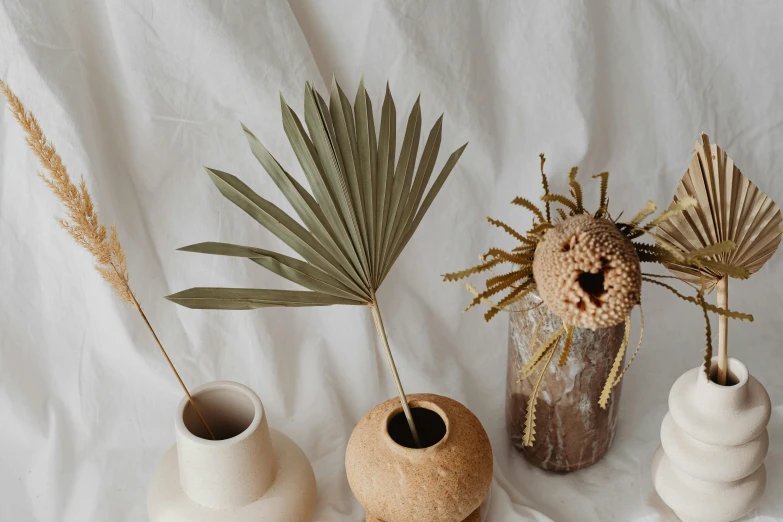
(734, 376)
(429, 423)
(228, 411)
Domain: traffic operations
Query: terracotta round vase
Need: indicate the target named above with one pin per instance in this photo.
(572, 430)
(446, 481)
(249, 474)
(710, 465)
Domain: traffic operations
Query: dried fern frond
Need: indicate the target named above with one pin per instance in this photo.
(695, 300)
(569, 336)
(653, 253)
(707, 365)
(513, 233)
(506, 284)
(603, 203)
(508, 257)
(517, 294)
(576, 190)
(529, 435)
(82, 222)
(558, 198)
(643, 214)
(638, 345)
(462, 274)
(532, 207)
(545, 184)
(540, 353)
(511, 277)
(675, 209)
(612, 380)
(472, 289)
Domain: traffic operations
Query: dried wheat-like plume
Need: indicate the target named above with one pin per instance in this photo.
(82, 221)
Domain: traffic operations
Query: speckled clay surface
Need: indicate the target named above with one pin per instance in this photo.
(474, 517)
(446, 482)
(710, 466)
(572, 431)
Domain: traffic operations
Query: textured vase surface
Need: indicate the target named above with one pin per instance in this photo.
(249, 474)
(446, 481)
(710, 465)
(572, 430)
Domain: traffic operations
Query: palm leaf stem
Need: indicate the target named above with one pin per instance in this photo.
(723, 330)
(376, 315)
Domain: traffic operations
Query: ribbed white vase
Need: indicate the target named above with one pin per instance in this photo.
(710, 465)
(249, 474)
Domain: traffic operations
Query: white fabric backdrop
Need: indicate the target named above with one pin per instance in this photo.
(138, 95)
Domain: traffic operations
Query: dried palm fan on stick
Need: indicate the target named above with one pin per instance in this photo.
(586, 267)
(363, 209)
(82, 222)
(730, 208)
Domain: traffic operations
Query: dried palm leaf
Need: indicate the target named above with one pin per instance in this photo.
(730, 208)
(361, 213)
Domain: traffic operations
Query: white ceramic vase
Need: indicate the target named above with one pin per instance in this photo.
(710, 465)
(249, 474)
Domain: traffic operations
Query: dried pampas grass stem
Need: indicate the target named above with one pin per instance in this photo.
(82, 222)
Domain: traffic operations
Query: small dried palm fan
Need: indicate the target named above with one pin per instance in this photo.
(363, 209)
(730, 208)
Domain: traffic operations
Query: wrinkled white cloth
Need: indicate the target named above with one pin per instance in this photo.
(138, 95)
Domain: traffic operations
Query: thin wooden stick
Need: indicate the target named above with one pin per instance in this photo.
(171, 365)
(376, 314)
(723, 331)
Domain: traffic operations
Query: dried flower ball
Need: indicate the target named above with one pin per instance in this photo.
(587, 272)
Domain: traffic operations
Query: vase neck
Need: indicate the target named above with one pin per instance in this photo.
(238, 467)
(733, 394)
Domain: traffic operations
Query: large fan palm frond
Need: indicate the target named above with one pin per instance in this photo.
(362, 208)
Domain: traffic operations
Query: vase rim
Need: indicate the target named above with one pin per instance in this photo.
(240, 390)
(736, 368)
(416, 403)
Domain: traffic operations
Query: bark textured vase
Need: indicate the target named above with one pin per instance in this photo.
(249, 474)
(572, 430)
(445, 481)
(710, 465)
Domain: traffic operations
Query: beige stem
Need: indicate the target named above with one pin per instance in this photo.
(376, 314)
(171, 365)
(723, 330)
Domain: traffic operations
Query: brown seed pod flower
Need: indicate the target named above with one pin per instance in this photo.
(587, 272)
(586, 267)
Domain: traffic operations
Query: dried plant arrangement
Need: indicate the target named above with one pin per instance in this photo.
(82, 222)
(363, 209)
(586, 267)
(730, 208)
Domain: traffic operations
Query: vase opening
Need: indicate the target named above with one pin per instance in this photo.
(732, 379)
(429, 423)
(228, 412)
